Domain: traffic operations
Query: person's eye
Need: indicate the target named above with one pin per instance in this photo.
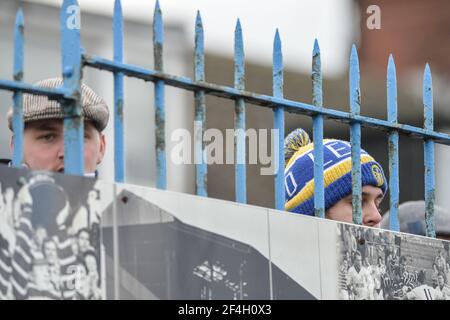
(88, 136)
(49, 137)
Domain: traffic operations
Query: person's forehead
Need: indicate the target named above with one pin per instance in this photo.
(53, 125)
(369, 191)
(372, 191)
(44, 125)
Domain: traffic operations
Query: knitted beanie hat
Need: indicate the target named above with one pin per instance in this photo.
(36, 107)
(299, 172)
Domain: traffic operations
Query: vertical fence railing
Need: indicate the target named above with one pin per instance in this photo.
(160, 119)
(119, 152)
(69, 95)
(17, 123)
(355, 135)
(429, 153)
(319, 188)
(239, 117)
(278, 125)
(71, 66)
(201, 167)
(394, 189)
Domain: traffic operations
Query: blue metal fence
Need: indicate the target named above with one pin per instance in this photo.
(74, 59)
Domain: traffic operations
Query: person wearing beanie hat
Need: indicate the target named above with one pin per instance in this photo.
(44, 130)
(299, 179)
(411, 215)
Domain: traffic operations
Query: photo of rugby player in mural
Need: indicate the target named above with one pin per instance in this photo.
(49, 242)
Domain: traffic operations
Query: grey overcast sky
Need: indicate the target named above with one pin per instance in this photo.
(299, 22)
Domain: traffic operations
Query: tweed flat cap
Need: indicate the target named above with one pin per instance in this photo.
(36, 107)
(411, 215)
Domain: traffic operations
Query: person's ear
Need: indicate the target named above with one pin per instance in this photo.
(11, 144)
(102, 147)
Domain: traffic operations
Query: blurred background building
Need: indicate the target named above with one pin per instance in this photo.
(414, 31)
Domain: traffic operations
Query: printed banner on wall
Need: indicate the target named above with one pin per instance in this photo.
(58, 241)
(383, 265)
(202, 249)
(49, 236)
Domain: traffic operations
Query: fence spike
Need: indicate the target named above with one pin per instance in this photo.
(71, 66)
(239, 117)
(319, 187)
(393, 146)
(17, 122)
(355, 136)
(201, 166)
(429, 154)
(277, 74)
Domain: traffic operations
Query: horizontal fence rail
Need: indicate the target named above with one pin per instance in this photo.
(264, 100)
(74, 60)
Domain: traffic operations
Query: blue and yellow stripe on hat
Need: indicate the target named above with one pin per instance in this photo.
(299, 175)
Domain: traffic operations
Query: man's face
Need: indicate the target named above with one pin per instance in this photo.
(358, 261)
(83, 241)
(41, 277)
(441, 280)
(50, 252)
(44, 145)
(371, 199)
(403, 265)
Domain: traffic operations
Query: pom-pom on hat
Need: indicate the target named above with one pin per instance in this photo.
(294, 141)
(299, 172)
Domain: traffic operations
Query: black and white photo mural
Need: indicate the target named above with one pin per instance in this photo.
(68, 237)
(375, 264)
(49, 236)
(162, 257)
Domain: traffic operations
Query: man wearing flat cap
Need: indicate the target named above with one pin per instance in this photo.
(44, 129)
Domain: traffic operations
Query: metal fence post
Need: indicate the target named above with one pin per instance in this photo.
(393, 146)
(71, 66)
(17, 122)
(277, 74)
(319, 188)
(119, 158)
(355, 136)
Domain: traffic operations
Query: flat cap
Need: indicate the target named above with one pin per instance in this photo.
(411, 215)
(36, 107)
